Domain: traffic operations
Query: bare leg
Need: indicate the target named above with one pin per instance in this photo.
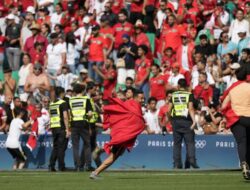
(109, 161)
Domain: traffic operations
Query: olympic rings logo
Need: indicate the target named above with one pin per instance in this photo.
(200, 144)
(2, 144)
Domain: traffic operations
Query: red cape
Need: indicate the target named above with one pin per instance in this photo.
(125, 121)
(228, 112)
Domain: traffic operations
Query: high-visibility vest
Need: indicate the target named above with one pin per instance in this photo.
(54, 111)
(94, 117)
(180, 101)
(78, 108)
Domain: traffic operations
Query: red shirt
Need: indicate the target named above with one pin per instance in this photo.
(119, 30)
(169, 60)
(108, 84)
(2, 40)
(142, 39)
(205, 94)
(191, 14)
(163, 114)
(172, 36)
(136, 7)
(29, 44)
(96, 46)
(26, 4)
(117, 6)
(141, 68)
(37, 57)
(107, 33)
(43, 20)
(158, 87)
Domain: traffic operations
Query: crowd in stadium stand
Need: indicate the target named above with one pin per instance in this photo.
(120, 46)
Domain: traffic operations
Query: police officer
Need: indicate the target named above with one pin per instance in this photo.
(81, 110)
(59, 124)
(182, 117)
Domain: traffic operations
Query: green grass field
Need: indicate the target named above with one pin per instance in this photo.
(183, 180)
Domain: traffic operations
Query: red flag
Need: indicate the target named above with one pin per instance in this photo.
(125, 121)
(32, 141)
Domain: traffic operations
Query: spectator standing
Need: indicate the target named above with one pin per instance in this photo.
(109, 76)
(182, 118)
(174, 77)
(142, 65)
(56, 17)
(151, 117)
(9, 84)
(238, 24)
(244, 41)
(157, 85)
(13, 51)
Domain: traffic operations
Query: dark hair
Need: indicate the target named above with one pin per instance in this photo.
(26, 54)
(130, 88)
(241, 73)
(16, 98)
(137, 92)
(204, 74)
(123, 11)
(231, 56)
(60, 5)
(155, 65)
(77, 88)
(203, 36)
(70, 39)
(169, 92)
(59, 90)
(144, 48)
(53, 35)
(19, 111)
(151, 99)
(182, 83)
(48, 27)
(129, 78)
(168, 49)
(246, 50)
(90, 85)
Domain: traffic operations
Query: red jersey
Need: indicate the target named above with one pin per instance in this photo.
(43, 20)
(136, 7)
(120, 29)
(96, 46)
(2, 40)
(158, 87)
(205, 94)
(109, 84)
(29, 44)
(106, 34)
(117, 6)
(26, 4)
(141, 68)
(171, 36)
(191, 14)
(37, 57)
(142, 39)
(163, 115)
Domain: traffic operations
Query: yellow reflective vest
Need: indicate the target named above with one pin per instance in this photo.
(78, 108)
(94, 117)
(54, 111)
(180, 101)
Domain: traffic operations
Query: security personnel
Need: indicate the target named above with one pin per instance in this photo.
(91, 94)
(59, 124)
(81, 111)
(182, 117)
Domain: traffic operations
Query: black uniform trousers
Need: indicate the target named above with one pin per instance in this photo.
(59, 147)
(77, 132)
(182, 130)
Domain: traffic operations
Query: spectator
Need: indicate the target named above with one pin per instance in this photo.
(55, 58)
(37, 81)
(13, 51)
(247, 14)
(168, 59)
(142, 65)
(56, 17)
(238, 24)
(97, 53)
(244, 41)
(65, 79)
(203, 90)
(38, 53)
(109, 14)
(185, 52)
(151, 117)
(136, 11)
(129, 83)
(9, 84)
(204, 47)
(2, 49)
(121, 28)
(127, 53)
(3, 118)
(245, 56)
(174, 77)
(162, 116)
(83, 78)
(25, 70)
(157, 86)
(161, 15)
(36, 37)
(45, 30)
(109, 76)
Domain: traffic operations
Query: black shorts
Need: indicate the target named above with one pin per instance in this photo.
(17, 154)
(118, 149)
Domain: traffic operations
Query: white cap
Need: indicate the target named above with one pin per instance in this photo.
(11, 16)
(235, 66)
(242, 30)
(30, 9)
(86, 19)
(84, 70)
